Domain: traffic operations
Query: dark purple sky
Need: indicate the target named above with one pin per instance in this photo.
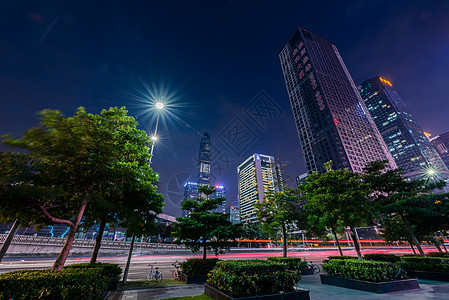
(218, 62)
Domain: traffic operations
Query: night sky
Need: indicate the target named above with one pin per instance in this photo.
(216, 65)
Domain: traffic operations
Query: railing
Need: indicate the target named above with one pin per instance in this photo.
(53, 241)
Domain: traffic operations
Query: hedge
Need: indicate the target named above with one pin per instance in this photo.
(339, 257)
(198, 266)
(69, 283)
(374, 271)
(382, 257)
(438, 254)
(244, 278)
(429, 264)
(293, 263)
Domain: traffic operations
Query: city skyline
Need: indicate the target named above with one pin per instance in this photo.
(217, 63)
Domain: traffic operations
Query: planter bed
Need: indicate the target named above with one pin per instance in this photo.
(194, 279)
(428, 275)
(374, 287)
(307, 272)
(216, 294)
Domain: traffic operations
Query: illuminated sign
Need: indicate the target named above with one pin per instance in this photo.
(385, 81)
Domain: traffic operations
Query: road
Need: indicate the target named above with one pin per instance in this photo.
(139, 264)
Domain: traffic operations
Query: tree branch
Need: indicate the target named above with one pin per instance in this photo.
(53, 219)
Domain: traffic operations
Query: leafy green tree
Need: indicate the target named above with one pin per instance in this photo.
(71, 167)
(279, 213)
(203, 228)
(337, 199)
(394, 196)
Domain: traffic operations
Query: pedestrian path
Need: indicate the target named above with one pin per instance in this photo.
(429, 289)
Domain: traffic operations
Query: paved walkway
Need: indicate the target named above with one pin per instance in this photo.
(436, 290)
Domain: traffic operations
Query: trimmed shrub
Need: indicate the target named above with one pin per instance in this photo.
(339, 257)
(374, 271)
(293, 263)
(244, 278)
(198, 266)
(72, 282)
(438, 254)
(382, 257)
(428, 264)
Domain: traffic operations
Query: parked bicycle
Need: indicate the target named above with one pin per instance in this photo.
(154, 273)
(176, 273)
(311, 266)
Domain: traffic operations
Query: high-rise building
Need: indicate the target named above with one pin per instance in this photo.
(234, 213)
(204, 160)
(441, 144)
(190, 193)
(257, 178)
(332, 121)
(411, 149)
(220, 192)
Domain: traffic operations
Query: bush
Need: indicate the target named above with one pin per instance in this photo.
(339, 257)
(374, 271)
(72, 282)
(429, 264)
(198, 266)
(438, 254)
(382, 257)
(244, 278)
(293, 263)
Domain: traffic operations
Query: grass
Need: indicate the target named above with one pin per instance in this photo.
(131, 285)
(200, 297)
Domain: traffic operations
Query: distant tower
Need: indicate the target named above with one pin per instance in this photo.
(204, 160)
(410, 148)
(257, 178)
(441, 143)
(332, 120)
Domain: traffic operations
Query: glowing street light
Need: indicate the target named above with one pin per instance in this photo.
(431, 172)
(154, 137)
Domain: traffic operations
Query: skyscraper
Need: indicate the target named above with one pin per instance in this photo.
(257, 178)
(190, 193)
(410, 148)
(441, 144)
(204, 160)
(220, 192)
(332, 121)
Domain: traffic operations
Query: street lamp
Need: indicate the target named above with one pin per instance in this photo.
(154, 137)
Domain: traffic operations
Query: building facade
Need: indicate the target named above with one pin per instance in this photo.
(332, 121)
(441, 144)
(256, 179)
(190, 193)
(204, 160)
(220, 192)
(405, 139)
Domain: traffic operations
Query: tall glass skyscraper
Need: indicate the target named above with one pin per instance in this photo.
(257, 178)
(332, 121)
(441, 144)
(411, 149)
(204, 160)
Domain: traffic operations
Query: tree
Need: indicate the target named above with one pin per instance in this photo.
(394, 197)
(70, 166)
(337, 199)
(279, 212)
(203, 228)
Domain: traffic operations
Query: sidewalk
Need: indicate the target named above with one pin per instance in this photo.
(437, 290)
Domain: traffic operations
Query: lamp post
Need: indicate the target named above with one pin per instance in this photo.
(154, 138)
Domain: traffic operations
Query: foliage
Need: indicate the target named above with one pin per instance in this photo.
(336, 199)
(80, 167)
(197, 266)
(243, 278)
(438, 254)
(294, 264)
(203, 228)
(374, 271)
(279, 213)
(382, 257)
(430, 264)
(253, 231)
(73, 282)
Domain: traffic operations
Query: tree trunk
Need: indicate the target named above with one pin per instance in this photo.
(356, 243)
(93, 258)
(444, 246)
(62, 257)
(284, 242)
(338, 242)
(8, 240)
(128, 262)
(437, 245)
(204, 249)
(411, 245)
(412, 235)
